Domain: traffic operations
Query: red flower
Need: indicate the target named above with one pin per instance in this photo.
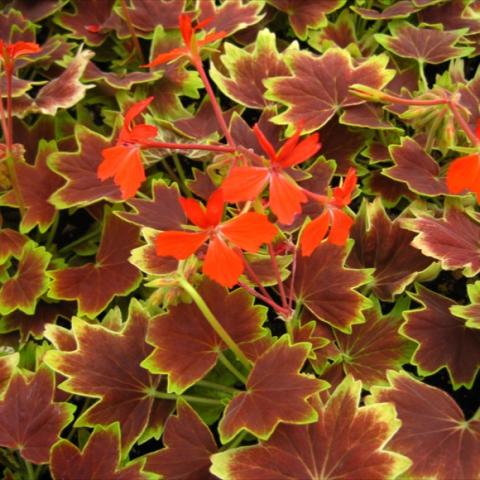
(192, 44)
(123, 161)
(10, 51)
(338, 221)
(286, 197)
(222, 263)
(464, 172)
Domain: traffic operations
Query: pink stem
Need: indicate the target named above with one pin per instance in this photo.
(189, 146)
(463, 123)
(275, 306)
(276, 271)
(253, 276)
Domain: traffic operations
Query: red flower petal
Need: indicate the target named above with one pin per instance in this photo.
(302, 152)
(210, 38)
(215, 207)
(288, 147)
(286, 198)
(179, 244)
(249, 230)
(222, 264)
(267, 147)
(343, 195)
(185, 25)
(125, 165)
(22, 48)
(244, 183)
(314, 233)
(194, 211)
(135, 110)
(340, 230)
(464, 174)
(140, 134)
(168, 56)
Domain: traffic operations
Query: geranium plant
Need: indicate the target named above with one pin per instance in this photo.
(239, 239)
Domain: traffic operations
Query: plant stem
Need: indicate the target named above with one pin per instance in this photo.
(231, 368)
(463, 123)
(3, 120)
(29, 468)
(253, 276)
(197, 63)
(216, 386)
(131, 29)
(263, 298)
(52, 231)
(188, 398)
(181, 174)
(78, 241)
(189, 146)
(421, 71)
(278, 276)
(214, 323)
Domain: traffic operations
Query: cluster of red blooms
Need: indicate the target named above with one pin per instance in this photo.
(247, 231)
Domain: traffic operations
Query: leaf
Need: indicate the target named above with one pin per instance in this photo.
(8, 364)
(246, 70)
(124, 389)
(145, 15)
(416, 168)
(470, 312)
(38, 11)
(94, 285)
(37, 183)
(30, 421)
(434, 433)
(326, 287)
(11, 244)
(426, 45)
(163, 212)
(187, 350)
(99, 459)
(23, 289)
(384, 245)
(276, 392)
(452, 239)
(401, 9)
(347, 441)
(442, 338)
(318, 87)
(188, 446)
(374, 347)
(79, 169)
(307, 14)
(231, 16)
(453, 15)
(390, 191)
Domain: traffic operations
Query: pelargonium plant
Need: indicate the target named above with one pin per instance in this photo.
(239, 239)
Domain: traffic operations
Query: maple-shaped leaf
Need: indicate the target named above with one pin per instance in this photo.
(319, 86)
(307, 14)
(347, 441)
(22, 290)
(276, 392)
(426, 45)
(30, 420)
(187, 350)
(415, 167)
(36, 183)
(374, 347)
(384, 245)
(400, 9)
(443, 339)
(34, 325)
(8, 364)
(11, 243)
(163, 212)
(38, 11)
(82, 187)
(188, 446)
(64, 91)
(124, 388)
(231, 16)
(326, 287)
(99, 458)
(470, 312)
(145, 15)
(434, 433)
(94, 285)
(247, 69)
(452, 239)
(389, 190)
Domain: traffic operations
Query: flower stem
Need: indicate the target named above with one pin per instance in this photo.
(188, 398)
(463, 123)
(265, 299)
(278, 276)
(189, 146)
(197, 63)
(214, 323)
(181, 174)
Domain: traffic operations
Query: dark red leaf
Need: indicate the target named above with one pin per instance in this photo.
(326, 287)
(146, 16)
(401, 9)
(99, 459)
(124, 388)
(30, 420)
(443, 339)
(434, 433)
(11, 244)
(188, 446)
(347, 442)
(39, 10)
(339, 33)
(470, 312)
(390, 191)
(8, 364)
(276, 393)
(94, 285)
